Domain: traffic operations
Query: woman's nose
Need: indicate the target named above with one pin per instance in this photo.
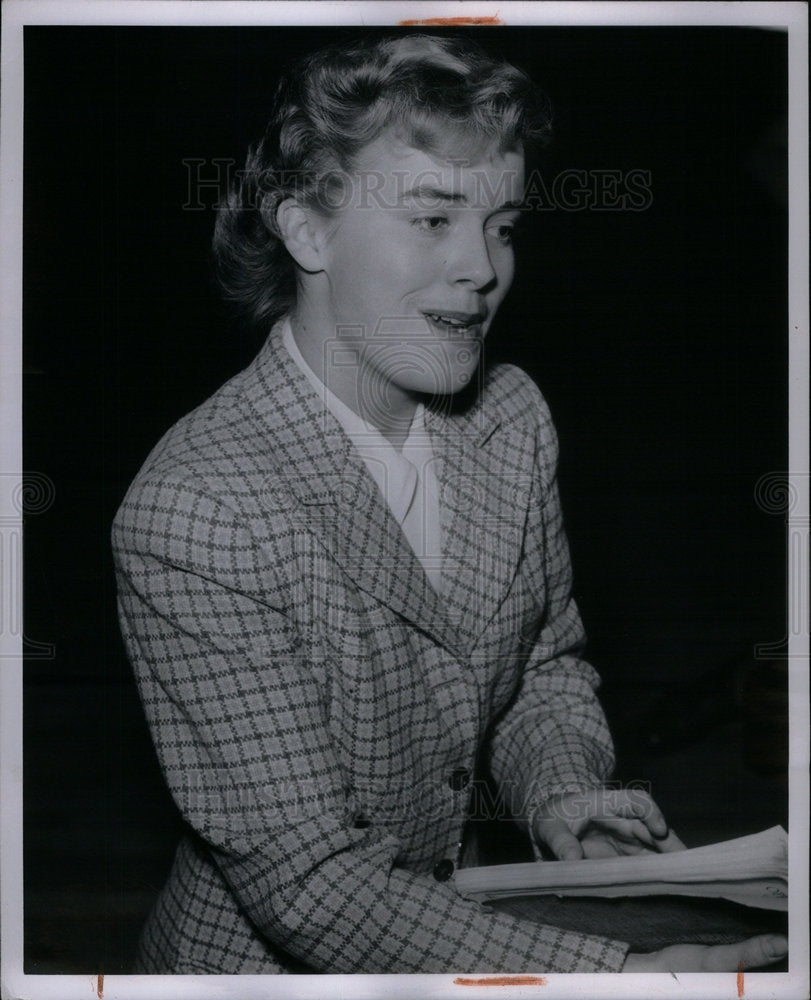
(470, 262)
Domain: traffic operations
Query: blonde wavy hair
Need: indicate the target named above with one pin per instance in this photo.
(439, 94)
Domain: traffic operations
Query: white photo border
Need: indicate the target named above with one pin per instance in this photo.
(788, 17)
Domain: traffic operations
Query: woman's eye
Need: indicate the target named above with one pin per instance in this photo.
(431, 223)
(504, 234)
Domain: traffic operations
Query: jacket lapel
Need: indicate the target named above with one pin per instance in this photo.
(485, 479)
(377, 556)
(340, 502)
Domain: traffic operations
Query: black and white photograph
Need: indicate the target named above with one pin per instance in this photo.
(404, 499)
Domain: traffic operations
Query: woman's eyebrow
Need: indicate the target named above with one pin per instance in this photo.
(424, 192)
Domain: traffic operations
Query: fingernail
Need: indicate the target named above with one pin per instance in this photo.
(777, 947)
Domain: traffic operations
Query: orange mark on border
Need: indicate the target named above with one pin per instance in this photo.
(100, 986)
(453, 21)
(740, 980)
(503, 981)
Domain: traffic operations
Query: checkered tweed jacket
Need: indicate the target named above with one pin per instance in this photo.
(318, 710)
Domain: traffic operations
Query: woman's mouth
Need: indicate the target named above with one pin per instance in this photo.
(455, 323)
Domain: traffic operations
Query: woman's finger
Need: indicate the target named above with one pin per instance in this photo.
(602, 844)
(670, 843)
(636, 803)
(632, 831)
(559, 839)
(751, 954)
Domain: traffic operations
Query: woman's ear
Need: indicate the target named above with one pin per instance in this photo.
(300, 234)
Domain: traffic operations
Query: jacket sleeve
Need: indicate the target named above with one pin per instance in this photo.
(553, 738)
(240, 723)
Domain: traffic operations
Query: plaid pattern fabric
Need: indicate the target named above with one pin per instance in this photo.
(317, 707)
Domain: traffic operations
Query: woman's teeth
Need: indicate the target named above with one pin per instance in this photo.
(448, 320)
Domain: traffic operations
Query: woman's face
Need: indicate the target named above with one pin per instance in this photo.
(417, 263)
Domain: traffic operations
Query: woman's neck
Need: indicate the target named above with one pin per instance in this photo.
(387, 407)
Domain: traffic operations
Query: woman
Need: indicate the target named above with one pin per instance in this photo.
(343, 580)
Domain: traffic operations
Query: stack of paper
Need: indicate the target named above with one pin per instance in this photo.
(750, 870)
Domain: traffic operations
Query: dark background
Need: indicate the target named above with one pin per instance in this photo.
(658, 337)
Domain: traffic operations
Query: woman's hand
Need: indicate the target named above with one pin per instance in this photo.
(751, 954)
(601, 823)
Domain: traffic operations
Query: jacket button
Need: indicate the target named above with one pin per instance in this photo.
(459, 779)
(443, 870)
